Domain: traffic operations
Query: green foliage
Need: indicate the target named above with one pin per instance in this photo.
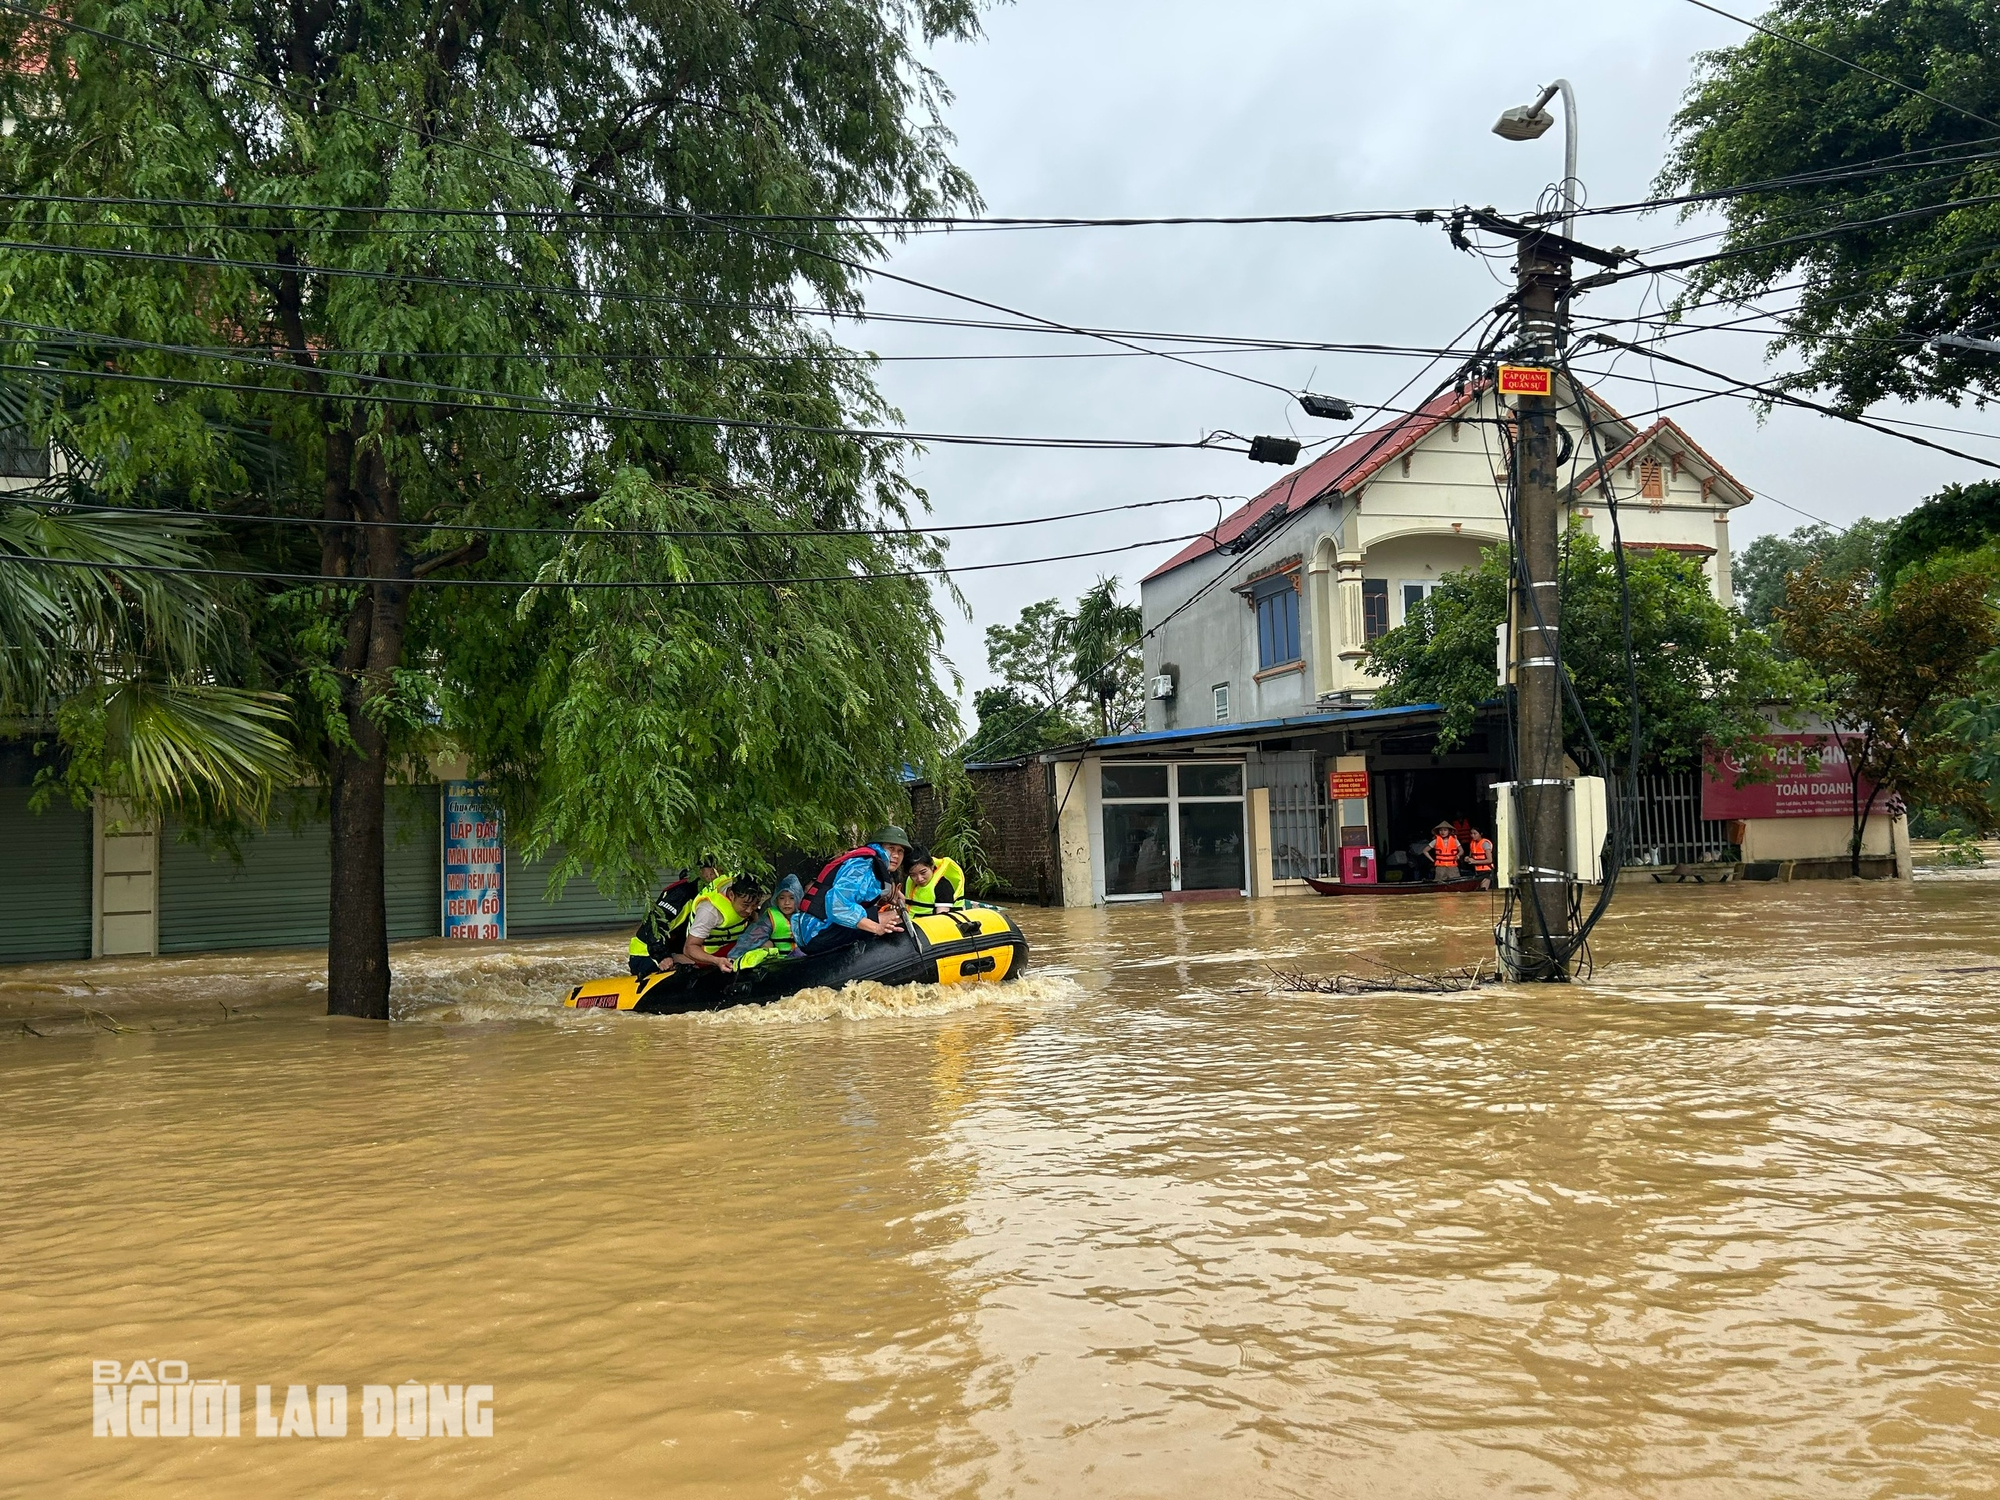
(1958, 518)
(127, 665)
(962, 830)
(1759, 571)
(1011, 724)
(1702, 672)
(1894, 669)
(1914, 260)
(343, 364)
(1105, 657)
(1035, 653)
(1958, 850)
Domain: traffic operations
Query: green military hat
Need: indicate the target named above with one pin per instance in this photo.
(889, 834)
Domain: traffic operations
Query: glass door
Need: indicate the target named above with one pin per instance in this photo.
(1172, 827)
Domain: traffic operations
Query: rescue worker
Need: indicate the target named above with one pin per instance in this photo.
(935, 883)
(770, 936)
(1480, 849)
(1443, 851)
(653, 946)
(715, 919)
(852, 897)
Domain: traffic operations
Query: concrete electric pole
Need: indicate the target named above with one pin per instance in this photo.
(1541, 843)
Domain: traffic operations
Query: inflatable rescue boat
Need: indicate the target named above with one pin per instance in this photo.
(968, 945)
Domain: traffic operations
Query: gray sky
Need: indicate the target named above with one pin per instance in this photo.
(1147, 107)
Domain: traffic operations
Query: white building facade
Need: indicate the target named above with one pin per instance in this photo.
(1273, 616)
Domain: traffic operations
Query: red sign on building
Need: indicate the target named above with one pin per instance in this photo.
(1526, 380)
(1347, 786)
(1811, 781)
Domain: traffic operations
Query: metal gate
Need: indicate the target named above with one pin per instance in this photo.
(1304, 844)
(44, 880)
(582, 907)
(1665, 825)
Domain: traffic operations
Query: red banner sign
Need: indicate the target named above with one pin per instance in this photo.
(1347, 786)
(1526, 380)
(1810, 782)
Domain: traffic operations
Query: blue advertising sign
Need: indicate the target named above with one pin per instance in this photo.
(475, 864)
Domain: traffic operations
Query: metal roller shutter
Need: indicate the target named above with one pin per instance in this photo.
(277, 896)
(44, 880)
(581, 908)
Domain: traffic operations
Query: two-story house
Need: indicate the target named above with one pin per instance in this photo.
(1273, 615)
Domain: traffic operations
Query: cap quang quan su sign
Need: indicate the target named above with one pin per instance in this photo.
(1526, 380)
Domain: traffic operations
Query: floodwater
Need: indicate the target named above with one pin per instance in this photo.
(1723, 1222)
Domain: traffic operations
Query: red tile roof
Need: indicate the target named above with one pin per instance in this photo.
(1641, 440)
(1341, 468)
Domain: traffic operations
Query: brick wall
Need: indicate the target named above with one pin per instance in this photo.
(1020, 832)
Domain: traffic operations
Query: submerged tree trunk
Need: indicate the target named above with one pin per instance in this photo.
(357, 953)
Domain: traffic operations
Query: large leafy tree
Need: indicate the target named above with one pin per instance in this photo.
(1895, 669)
(1890, 240)
(1105, 656)
(458, 267)
(1702, 672)
(1958, 518)
(1760, 570)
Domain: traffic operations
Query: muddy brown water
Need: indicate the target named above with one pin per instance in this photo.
(1723, 1222)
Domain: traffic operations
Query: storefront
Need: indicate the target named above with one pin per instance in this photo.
(1168, 827)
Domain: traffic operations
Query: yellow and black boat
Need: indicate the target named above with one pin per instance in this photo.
(968, 945)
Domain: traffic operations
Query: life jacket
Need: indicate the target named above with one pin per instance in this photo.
(780, 942)
(1444, 849)
(815, 903)
(727, 931)
(1482, 854)
(654, 935)
(923, 898)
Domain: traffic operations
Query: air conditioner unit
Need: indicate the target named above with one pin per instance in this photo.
(1163, 686)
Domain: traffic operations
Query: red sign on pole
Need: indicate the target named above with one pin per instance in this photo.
(1811, 781)
(1526, 380)
(1347, 786)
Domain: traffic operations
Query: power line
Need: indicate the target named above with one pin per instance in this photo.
(330, 581)
(476, 528)
(1845, 62)
(725, 220)
(508, 405)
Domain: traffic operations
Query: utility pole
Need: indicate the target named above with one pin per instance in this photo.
(1542, 873)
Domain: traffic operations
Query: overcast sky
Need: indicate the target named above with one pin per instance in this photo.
(1151, 107)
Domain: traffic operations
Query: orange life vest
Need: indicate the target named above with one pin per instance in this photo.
(1444, 849)
(1482, 854)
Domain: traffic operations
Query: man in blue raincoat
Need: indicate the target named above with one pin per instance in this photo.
(845, 903)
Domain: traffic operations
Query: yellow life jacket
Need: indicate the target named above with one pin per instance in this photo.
(780, 943)
(727, 931)
(923, 899)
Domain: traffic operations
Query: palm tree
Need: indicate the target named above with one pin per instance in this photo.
(1104, 653)
(105, 639)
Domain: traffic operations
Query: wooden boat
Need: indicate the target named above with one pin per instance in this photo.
(1396, 887)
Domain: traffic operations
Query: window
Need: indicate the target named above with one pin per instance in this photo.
(1415, 591)
(1652, 485)
(1222, 703)
(1374, 608)
(1277, 605)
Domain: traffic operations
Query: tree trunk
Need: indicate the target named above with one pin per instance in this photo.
(357, 953)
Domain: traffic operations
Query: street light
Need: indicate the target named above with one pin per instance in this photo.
(1530, 122)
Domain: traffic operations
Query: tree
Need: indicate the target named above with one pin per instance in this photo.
(1880, 259)
(1035, 654)
(1105, 657)
(1894, 668)
(462, 268)
(1011, 723)
(124, 662)
(1702, 671)
(1958, 518)
(1759, 572)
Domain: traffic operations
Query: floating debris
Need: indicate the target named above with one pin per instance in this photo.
(1391, 980)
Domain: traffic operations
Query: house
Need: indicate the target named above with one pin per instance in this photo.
(1272, 614)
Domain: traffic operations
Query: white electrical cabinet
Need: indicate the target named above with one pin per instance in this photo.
(1589, 825)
